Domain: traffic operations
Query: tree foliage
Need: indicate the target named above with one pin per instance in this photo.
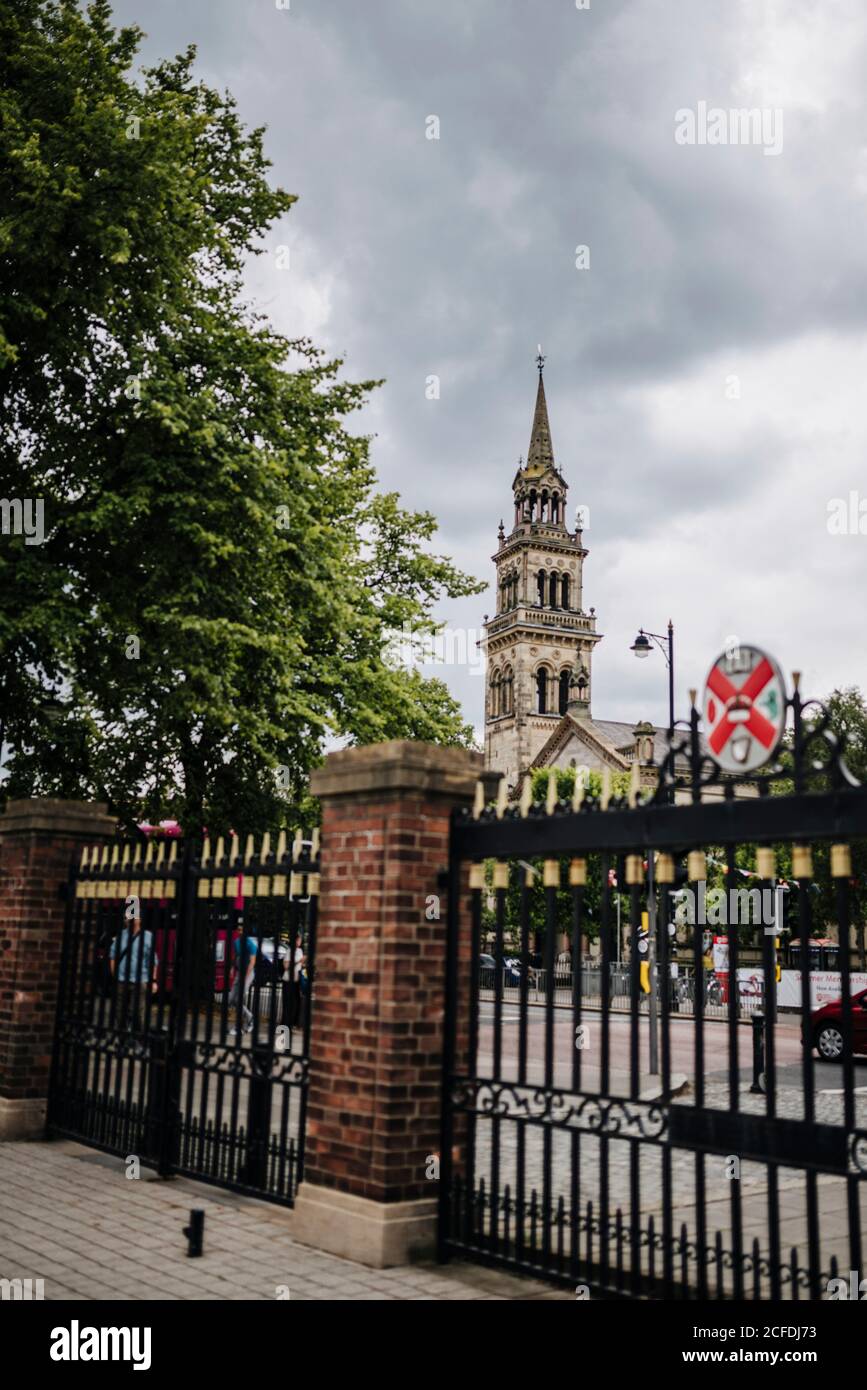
(219, 575)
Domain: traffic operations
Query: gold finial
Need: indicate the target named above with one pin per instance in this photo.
(85, 856)
(766, 863)
(297, 845)
(206, 850)
(249, 849)
(841, 861)
(149, 854)
(124, 863)
(693, 696)
(314, 842)
(161, 853)
(266, 847)
(802, 861)
(477, 876)
(664, 868)
(501, 874)
(479, 802)
(606, 788)
(526, 796)
(696, 865)
(551, 794)
(115, 856)
(634, 869)
(281, 846)
(551, 873)
(796, 679)
(577, 873)
(233, 848)
(634, 784)
(220, 853)
(502, 798)
(136, 858)
(173, 854)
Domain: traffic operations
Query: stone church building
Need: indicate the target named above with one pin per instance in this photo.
(540, 644)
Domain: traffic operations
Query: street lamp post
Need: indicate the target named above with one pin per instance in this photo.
(642, 648)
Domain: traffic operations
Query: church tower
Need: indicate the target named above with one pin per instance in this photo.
(539, 645)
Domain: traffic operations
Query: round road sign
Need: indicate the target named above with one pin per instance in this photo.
(744, 709)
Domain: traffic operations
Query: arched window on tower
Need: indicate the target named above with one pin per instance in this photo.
(543, 511)
(553, 590)
(540, 587)
(564, 591)
(555, 508)
(496, 693)
(542, 681)
(508, 682)
(564, 689)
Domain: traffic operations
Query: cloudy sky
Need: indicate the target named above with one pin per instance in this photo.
(706, 373)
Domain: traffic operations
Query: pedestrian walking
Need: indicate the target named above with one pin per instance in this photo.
(134, 966)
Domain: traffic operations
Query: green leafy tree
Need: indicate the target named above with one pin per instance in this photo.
(219, 576)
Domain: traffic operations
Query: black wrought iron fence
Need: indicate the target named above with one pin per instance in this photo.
(183, 1013)
(582, 1143)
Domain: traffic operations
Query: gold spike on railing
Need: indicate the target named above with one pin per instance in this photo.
(634, 869)
(314, 843)
(103, 862)
(479, 801)
(634, 784)
(502, 798)
(841, 861)
(149, 854)
(220, 852)
(233, 848)
(161, 854)
(115, 856)
(526, 796)
(551, 794)
(501, 875)
(766, 863)
(802, 861)
(206, 851)
(266, 847)
(577, 873)
(696, 865)
(606, 788)
(173, 854)
(551, 873)
(85, 857)
(281, 846)
(249, 849)
(529, 875)
(665, 868)
(124, 863)
(578, 790)
(136, 858)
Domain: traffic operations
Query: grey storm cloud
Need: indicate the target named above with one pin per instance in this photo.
(703, 374)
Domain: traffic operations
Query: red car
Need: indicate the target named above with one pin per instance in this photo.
(827, 1027)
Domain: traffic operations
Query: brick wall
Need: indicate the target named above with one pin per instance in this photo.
(38, 841)
(373, 1118)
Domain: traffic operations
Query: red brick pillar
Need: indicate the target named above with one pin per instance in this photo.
(38, 841)
(373, 1112)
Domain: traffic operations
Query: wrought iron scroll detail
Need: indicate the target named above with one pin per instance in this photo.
(603, 1115)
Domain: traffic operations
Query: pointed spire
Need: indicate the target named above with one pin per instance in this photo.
(541, 453)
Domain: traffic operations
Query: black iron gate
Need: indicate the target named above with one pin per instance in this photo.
(634, 1152)
(183, 1014)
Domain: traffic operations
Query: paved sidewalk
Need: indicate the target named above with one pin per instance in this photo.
(69, 1216)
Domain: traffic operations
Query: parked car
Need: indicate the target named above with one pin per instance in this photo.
(827, 1027)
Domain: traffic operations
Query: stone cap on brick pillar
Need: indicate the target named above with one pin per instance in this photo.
(38, 815)
(401, 765)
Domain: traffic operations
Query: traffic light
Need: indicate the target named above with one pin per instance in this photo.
(644, 977)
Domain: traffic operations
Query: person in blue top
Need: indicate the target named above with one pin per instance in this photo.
(134, 964)
(243, 966)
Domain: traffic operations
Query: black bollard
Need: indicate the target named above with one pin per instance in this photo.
(758, 1086)
(195, 1232)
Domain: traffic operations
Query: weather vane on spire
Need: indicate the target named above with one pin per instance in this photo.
(540, 360)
